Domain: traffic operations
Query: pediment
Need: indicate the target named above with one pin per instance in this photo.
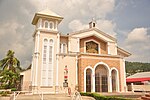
(93, 32)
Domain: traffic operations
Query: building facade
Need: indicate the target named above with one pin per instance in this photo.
(88, 59)
(139, 82)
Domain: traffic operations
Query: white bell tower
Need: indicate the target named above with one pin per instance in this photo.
(46, 40)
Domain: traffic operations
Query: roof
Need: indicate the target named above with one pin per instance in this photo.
(143, 76)
(123, 51)
(49, 13)
(137, 79)
(95, 29)
(46, 14)
(140, 75)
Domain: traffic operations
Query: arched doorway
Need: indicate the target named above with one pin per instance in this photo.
(88, 80)
(101, 79)
(114, 80)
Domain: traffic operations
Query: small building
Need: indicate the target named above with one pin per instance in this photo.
(139, 82)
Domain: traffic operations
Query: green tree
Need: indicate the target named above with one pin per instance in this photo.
(135, 67)
(10, 62)
(10, 69)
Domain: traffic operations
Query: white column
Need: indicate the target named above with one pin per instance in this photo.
(108, 44)
(69, 44)
(57, 58)
(116, 48)
(110, 83)
(125, 86)
(32, 65)
(33, 62)
(78, 45)
(76, 70)
(37, 57)
(117, 80)
(84, 80)
(93, 76)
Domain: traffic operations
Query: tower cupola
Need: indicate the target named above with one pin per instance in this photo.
(47, 20)
(92, 24)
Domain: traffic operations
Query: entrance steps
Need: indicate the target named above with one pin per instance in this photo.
(146, 97)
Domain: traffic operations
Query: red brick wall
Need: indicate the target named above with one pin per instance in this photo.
(84, 62)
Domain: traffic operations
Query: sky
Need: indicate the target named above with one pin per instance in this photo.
(126, 20)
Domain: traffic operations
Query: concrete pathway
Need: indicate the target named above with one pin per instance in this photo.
(49, 97)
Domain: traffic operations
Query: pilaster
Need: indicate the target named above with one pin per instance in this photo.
(37, 56)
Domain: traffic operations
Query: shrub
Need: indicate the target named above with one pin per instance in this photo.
(100, 97)
(4, 93)
(13, 89)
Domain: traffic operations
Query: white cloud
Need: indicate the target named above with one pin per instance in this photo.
(107, 26)
(77, 25)
(74, 8)
(101, 7)
(137, 42)
(11, 38)
(104, 25)
(138, 35)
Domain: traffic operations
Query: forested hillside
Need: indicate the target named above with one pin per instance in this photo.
(134, 67)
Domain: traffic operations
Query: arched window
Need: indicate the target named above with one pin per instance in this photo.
(51, 25)
(114, 78)
(45, 48)
(50, 63)
(47, 67)
(63, 48)
(46, 24)
(88, 80)
(101, 79)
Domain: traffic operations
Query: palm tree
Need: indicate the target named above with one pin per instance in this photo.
(10, 62)
(10, 69)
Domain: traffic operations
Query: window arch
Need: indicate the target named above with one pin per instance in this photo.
(51, 41)
(63, 48)
(115, 79)
(88, 80)
(88, 73)
(47, 63)
(46, 24)
(51, 25)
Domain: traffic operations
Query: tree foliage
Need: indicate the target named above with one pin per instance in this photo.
(134, 67)
(10, 62)
(10, 71)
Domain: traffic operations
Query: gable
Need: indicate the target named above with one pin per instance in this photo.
(93, 32)
(102, 48)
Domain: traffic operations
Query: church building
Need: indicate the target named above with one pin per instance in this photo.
(88, 60)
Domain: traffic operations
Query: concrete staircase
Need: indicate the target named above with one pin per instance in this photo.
(146, 97)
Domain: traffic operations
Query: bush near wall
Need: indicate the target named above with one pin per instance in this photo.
(100, 97)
